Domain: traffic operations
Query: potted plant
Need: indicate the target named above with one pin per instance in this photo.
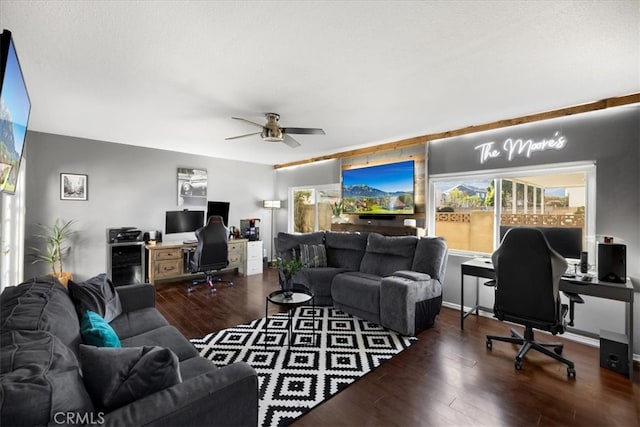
(337, 209)
(55, 239)
(286, 270)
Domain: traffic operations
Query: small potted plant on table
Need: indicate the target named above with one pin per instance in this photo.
(286, 270)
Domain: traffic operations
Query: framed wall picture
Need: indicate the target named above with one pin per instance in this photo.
(73, 186)
(192, 187)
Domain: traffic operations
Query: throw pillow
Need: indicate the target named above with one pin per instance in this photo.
(96, 331)
(98, 295)
(115, 377)
(313, 255)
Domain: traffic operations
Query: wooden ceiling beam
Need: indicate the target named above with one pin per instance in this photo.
(633, 98)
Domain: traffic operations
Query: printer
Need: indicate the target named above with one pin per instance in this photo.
(123, 235)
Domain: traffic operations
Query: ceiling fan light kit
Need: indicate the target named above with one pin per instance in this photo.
(272, 132)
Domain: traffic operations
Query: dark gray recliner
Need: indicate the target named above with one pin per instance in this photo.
(395, 281)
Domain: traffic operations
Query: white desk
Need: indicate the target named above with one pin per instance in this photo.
(483, 268)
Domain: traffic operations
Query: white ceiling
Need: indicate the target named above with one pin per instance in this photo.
(172, 74)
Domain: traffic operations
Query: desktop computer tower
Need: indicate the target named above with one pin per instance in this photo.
(612, 262)
(614, 352)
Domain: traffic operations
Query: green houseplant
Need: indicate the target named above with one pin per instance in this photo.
(286, 270)
(56, 247)
(337, 209)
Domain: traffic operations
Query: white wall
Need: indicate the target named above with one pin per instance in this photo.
(127, 186)
(318, 173)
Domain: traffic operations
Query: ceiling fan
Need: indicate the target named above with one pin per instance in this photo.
(272, 131)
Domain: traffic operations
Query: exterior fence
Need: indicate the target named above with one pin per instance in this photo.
(473, 231)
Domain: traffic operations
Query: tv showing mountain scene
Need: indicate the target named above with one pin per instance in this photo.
(382, 189)
(14, 114)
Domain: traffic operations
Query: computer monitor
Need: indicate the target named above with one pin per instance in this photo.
(567, 241)
(183, 221)
(219, 208)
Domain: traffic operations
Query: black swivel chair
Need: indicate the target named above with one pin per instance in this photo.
(528, 273)
(211, 254)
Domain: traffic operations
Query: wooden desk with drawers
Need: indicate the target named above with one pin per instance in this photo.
(167, 260)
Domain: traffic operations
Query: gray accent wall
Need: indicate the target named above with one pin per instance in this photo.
(127, 186)
(611, 139)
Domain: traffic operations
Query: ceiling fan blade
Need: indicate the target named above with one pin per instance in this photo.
(242, 136)
(304, 131)
(248, 121)
(290, 141)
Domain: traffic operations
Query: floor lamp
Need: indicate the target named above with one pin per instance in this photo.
(271, 204)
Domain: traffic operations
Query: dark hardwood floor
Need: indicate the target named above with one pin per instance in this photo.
(447, 378)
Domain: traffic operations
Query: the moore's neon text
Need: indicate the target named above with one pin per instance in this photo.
(519, 147)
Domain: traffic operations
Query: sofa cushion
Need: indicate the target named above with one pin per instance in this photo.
(41, 303)
(386, 254)
(345, 250)
(96, 331)
(313, 256)
(196, 366)
(137, 322)
(288, 243)
(117, 376)
(317, 280)
(39, 377)
(96, 294)
(356, 289)
(165, 336)
(431, 257)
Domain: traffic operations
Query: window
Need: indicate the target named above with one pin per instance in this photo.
(473, 211)
(311, 207)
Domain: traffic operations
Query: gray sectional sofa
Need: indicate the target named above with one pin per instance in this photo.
(48, 377)
(393, 281)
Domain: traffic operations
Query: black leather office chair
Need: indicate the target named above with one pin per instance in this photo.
(211, 254)
(528, 273)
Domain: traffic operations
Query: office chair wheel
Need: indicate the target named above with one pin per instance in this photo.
(489, 344)
(518, 365)
(558, 350)
(571, 372)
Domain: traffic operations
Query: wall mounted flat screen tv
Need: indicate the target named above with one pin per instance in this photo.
(183, 221)
(15, 107)
(219, 208)
(386, 189)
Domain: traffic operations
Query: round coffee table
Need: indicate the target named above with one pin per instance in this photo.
(290, 299)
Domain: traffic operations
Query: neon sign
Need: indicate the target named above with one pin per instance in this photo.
(514, 148)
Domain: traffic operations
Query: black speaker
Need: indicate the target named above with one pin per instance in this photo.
(584, 262)
(614, 352)
(612, 262)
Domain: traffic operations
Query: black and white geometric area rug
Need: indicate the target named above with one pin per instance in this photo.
(294, 380)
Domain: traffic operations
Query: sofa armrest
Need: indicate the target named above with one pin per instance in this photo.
(399, 294)
(227, 396)
(416, 276)
(136, 297)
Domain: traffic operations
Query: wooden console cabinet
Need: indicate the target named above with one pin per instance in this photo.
(385, 230)
(167, 261)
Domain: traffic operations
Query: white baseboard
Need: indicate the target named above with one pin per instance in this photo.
(593, 342)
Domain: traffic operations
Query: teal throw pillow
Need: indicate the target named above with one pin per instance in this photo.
(96, 331)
